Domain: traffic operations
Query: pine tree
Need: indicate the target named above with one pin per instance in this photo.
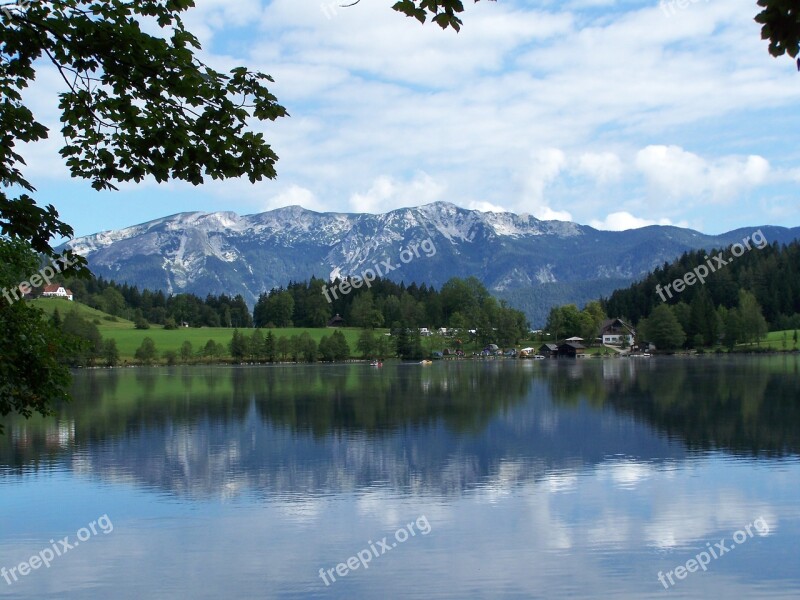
(270, 350)
(341, 349)
(256, 346)
(326, 349)
(238, 346)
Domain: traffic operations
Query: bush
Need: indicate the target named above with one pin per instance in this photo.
(110, 353)
(31, 372)
(146, 353)
(186, 351)
(141, 323)
(170, 324)
(171, 357)
(86, 342)
(213, 350)
(305, 348)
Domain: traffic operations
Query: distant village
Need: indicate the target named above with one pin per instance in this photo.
(615, 335)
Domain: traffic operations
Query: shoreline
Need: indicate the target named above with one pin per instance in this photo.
(365, 361)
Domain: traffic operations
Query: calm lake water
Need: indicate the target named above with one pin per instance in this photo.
(513, 479)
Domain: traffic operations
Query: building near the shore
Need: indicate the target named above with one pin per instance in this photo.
(571, 349)
(616, 332)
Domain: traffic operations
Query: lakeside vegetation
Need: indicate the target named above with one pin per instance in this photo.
(750, 302)
(110, 340)
(120, 323)
(208, 345)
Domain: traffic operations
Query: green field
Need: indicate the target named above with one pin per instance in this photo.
(49, 306)
(775, 341)
(129, 338)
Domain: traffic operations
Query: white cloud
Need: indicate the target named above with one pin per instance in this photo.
(680, 173)
(386, 193)
(604, 167)
(545, 167)
(538, 174)
(295, 195)
(527, 109)
(622, 221)
(485, 206)
(545, 213)
(215, 16)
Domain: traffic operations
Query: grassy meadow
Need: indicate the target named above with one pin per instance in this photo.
(129, 338)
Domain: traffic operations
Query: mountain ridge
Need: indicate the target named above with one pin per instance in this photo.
(223, 252)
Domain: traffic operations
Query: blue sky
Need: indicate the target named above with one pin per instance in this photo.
(612, 114)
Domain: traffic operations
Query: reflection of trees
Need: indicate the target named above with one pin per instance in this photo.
(574, 381)
(300, 431)
(42, 440)
(111, 403)
(322, 400)
(296, 427)
(464, 397)
(740, 405)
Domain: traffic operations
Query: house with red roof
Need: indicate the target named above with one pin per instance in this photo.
(57, 291)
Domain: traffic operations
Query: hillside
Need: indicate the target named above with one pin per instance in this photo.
(104, 321)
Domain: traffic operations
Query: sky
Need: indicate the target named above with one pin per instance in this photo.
(614, 114)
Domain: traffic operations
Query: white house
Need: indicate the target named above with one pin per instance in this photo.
(57, 291)
(616, 332)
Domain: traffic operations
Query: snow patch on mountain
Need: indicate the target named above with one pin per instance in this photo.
(545, 274)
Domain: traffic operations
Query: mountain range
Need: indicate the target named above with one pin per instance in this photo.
(531, 263)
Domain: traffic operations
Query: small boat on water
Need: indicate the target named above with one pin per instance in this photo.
(426, 362)
(376, 363)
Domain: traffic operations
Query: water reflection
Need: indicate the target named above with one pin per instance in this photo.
(540, 480)
(221, 431)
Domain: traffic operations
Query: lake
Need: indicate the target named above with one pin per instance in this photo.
(624, 478)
